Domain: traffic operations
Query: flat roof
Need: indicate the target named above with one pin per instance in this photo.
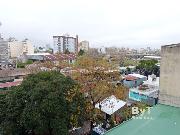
(153, 57)
(150, 82)
(165, 121)
(110, 105)
(172, 45)
(37, 54)
(146, 92)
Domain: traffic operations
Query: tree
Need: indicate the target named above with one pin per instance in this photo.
(98, 81)
(148, 67)
(81, 52)
(23, 65)
(67, 51)
(47, 103)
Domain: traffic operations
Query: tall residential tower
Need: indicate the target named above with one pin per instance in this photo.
(65, 43)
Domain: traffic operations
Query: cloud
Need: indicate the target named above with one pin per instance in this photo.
(109, 22)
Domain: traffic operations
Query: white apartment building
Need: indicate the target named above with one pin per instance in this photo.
(27, 47)
(65, 42)
(83, 45)
(17, 48)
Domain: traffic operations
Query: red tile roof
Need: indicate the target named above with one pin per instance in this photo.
(9, 84)
(130, 78)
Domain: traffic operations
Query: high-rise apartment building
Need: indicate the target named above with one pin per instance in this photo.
(27, 47)
(65, 43)
(83, 45)
(170, 75)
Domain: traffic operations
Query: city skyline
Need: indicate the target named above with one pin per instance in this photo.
(133, 24)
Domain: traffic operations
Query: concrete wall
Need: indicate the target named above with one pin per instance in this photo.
(170, 75)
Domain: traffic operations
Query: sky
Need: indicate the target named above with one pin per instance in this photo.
(117, 23)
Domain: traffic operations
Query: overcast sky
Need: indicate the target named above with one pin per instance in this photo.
(127, 23)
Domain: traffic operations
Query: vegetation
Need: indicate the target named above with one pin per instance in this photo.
(47, 103)
(81, 52)
(99, 81)
(148, 67)
(23, 65)
(67, 51)
(129, 62)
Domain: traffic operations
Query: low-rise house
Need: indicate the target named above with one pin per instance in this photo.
(147, 92)
(134, 80)
(110, 106)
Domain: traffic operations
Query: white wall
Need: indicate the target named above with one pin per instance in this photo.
(17, 48)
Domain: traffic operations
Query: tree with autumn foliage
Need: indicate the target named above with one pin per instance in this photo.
(98, 80)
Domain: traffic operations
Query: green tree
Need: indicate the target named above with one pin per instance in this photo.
(45, 104)
(81, 52)
(67, 51)
(23, 65)
(148, 67)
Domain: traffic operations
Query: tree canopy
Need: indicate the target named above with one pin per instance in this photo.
(148, 67)
(81, 52)
(47, 103)
(98, 81)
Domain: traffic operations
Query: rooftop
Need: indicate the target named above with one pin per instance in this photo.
(110, 105)
(165, 121)
(152, 81)
(152, 57)
(137, 75)
(9, 84)
(146, 92)
(130, 78)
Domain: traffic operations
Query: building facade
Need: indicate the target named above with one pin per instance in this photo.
(83, 45)
(170, 75)
(17, 48)
(65, 43)
(102, 50)
(4, 50)
(27, 47)
(134, 80)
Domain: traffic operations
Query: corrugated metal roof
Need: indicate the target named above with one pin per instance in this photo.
(164, 120)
